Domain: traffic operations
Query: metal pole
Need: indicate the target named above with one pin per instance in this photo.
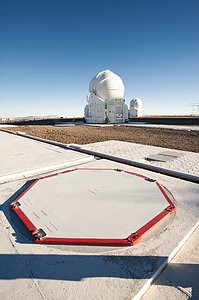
(179, 175)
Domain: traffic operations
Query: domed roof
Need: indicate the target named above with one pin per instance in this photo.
(107, 85)
(136, 103)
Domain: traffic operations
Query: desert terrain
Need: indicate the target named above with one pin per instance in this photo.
(79, 134)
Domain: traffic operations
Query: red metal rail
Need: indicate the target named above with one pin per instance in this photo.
(40, 237)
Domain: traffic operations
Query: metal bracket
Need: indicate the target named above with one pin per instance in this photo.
(97, 157)
(150, 179)
(38, 234)
(170, 208)
(133, 237)
(14, 205)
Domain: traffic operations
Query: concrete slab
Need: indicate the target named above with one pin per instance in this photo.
(163, 156)
(92, 203)
(21, 157)
(162, 126)
(171, 153)
(180, 278)
(41, 272)
(187, 162)
(6, 125)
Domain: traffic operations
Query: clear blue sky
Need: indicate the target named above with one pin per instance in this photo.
(50, 50)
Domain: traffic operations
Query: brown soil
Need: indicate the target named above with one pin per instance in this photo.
(182, 140)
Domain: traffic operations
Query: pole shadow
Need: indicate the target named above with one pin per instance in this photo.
(181, 275)
(77, 267)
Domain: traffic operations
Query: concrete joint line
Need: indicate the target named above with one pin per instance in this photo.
(149, 282)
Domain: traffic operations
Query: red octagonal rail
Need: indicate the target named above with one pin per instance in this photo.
(92, 206)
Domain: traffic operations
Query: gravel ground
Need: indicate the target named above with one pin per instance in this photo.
(181, 140)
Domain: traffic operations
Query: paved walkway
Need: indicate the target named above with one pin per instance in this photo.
(186, 162)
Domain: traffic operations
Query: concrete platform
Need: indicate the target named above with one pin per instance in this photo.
(92, 206)
(164, 126)
(37, 271)
(179, 280)
(21, 157)
(186, 162)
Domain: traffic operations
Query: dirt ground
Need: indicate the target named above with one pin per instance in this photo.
(176, 139)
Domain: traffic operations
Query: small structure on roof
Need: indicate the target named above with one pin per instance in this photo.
(136, 108)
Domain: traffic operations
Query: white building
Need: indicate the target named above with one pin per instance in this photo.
(106, 103)
(136, 108)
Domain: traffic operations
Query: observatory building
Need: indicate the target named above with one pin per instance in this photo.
(136, 108)
(106, 103)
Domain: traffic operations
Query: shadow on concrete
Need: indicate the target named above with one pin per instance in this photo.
(183, 276)
(21, 234)
(77, 267)
(69, 267)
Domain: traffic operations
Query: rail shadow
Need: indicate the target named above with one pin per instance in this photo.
(77, 267)
(69, 267)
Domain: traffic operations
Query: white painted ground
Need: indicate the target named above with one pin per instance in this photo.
(30, 271)
(7, 125)
(162, 126)
(145, 125)
(21, 157)
(99, 125)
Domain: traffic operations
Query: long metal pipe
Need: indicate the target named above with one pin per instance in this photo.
(179, 175)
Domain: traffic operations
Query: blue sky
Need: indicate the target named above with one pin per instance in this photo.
(50, 50)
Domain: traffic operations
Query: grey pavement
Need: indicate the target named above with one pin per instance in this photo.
(35, 271)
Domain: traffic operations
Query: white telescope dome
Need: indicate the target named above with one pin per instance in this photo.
(136, 103)
(107, 85)
(136, 108)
